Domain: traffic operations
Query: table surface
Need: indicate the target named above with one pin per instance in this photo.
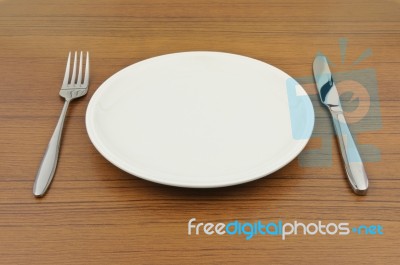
(95, 213)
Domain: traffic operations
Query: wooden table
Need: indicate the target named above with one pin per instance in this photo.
(95, 213)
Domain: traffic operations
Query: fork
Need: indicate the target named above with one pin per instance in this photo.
(71, 88)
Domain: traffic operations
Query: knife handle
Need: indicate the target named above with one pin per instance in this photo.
(48, 165)
(354, 167)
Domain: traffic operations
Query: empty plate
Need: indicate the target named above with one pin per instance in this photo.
(200, 119)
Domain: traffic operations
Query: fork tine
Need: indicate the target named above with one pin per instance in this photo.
(66, 76)
(86, 81)
(79, 80)
(74, 71)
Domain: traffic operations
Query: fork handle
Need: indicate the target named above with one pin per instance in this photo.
(48, 165)
(353, 164)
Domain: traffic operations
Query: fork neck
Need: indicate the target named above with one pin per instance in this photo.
(63, 114)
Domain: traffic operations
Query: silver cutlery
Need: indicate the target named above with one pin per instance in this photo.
(72, 87)
(330, 98)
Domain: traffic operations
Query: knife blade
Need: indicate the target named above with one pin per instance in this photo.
(329, 96)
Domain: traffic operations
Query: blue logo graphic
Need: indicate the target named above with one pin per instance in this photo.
(358, 91)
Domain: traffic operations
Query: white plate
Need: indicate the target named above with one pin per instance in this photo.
(200, 119)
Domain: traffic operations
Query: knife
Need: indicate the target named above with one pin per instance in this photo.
(330, 98)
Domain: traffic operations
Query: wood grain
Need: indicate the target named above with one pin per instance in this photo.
(97, 214)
